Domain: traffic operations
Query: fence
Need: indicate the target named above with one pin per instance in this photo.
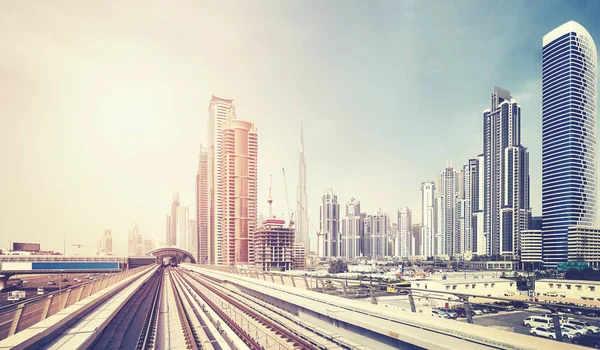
(31, 312)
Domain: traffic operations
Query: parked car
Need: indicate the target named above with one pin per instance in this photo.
(575, 330)
(40, 291)
(449, 312)
(537, 321)
(440, 314)
(520, 305)
(17, 295)
(588, 340)
(51, 283)
(460, 311)
(591, 313)
(571, 332)
(477, 311)
(590, 328)
(543, 332)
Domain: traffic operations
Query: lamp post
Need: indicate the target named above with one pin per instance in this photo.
(64, 243)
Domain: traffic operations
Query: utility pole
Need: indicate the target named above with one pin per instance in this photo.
(64, 244)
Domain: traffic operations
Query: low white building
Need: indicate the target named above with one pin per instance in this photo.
(491, 287)
(573, 289)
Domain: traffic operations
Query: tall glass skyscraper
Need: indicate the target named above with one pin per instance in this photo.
(569, 99)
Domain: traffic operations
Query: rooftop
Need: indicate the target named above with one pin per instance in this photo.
(468, 281)
(597, 283)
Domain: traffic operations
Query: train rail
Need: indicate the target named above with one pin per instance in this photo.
(131, 319)
(296, 341)
(191, 337)
(147, 337)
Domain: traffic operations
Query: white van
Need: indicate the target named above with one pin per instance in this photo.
(537, 321)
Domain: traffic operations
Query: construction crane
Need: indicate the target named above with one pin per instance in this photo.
(78, 247)
(270, 201)
(291, 215)
(319, 233)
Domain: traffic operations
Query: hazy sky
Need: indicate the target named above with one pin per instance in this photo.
(104, 103)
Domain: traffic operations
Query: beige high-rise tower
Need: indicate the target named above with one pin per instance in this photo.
(231, 187)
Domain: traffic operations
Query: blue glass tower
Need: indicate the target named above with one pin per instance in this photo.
(569, 100)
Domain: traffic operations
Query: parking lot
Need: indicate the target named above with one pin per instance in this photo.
(512, 319)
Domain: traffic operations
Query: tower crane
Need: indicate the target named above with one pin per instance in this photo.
(318, 231)
(270, 201)
(291, 223)
(78, 247)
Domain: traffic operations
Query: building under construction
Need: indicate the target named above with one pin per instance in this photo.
(274, 246)
(299, 257)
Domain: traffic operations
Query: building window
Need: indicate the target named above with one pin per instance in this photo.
(493, 284)
(558, 286)
(473, 286)
(510, 284)
(568, 286)
(454, 287)
(592, 288)
(578, 287)
(447, 287)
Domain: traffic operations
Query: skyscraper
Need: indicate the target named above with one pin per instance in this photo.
(330, 226)
(448, 212)
(379, 223)
(476, 182)
(182, 227)
(302, 232)
(239, 156)
(569, 163)
(202, 205)
(352, 226)
(173, 220)
(192, 236)
(427, 218)
(219, 110)
(404, 235)
(107, 242)
(504, 200)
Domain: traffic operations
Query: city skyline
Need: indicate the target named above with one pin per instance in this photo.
(97, 166)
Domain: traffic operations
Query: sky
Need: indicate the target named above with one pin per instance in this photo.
(103, 104)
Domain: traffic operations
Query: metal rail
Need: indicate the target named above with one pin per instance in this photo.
(285, 332)
(148, 333)
(190, 336)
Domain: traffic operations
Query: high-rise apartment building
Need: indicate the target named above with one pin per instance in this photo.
(569, 160)
(448, 215)
(365, 240)
(506, 175)
(239, 156)
(231, 159)
(107, 243)
(219, 110)
(330, 226)
(404, 234)
(302, 230)
(476, 175)
(416, 240)
(192, 236)
(181, 228)
(173, 221)
(202, 208)
(379, 224)
(352, 227)
(427, 218)
(465, 209)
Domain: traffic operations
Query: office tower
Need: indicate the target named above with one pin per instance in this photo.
(515, 212)
(301, 223)
(404, 233)
(448, 212)
(416, 245)
(239, 156)
(438, 222)
(107, 242)
(531, 249)
(478, 243)
(173, 221)
(379, 224)
(352, 226)
(219, 110)
(569, 100)
(504, 200)
(584, 245)
(147, 245)
(330, 225)
(168, 236)
(392, 239)
(274, 244)
(182, 227)
(134, 231)
(427, 218)
(202, 205)
(465, 210)
(365, 238)
(192, 236)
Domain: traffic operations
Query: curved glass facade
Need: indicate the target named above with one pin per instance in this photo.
(569, 99)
